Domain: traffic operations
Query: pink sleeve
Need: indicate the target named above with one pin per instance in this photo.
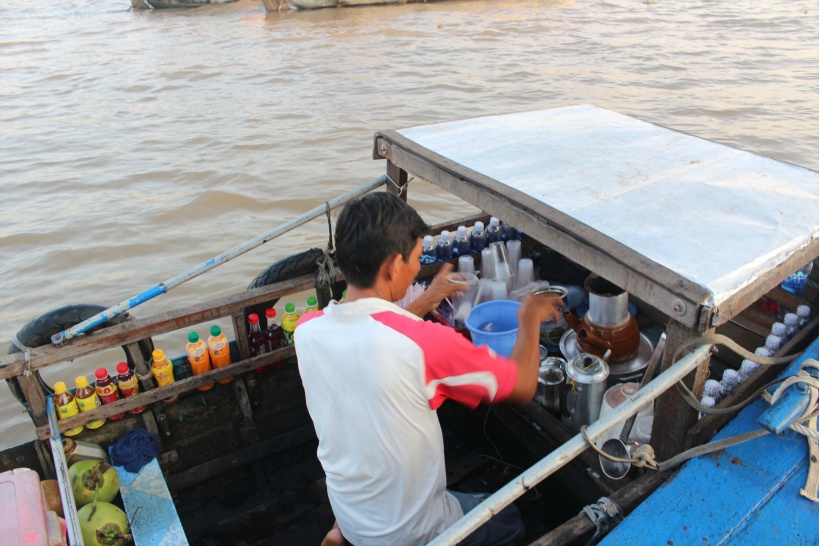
(454, 367)
(308, 317)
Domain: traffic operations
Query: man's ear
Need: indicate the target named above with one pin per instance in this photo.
(392, 266)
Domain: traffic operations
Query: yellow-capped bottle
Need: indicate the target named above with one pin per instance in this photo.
(87, 399)
(66, 406)
(163, 372)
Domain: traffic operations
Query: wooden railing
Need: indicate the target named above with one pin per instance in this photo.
(129, 333)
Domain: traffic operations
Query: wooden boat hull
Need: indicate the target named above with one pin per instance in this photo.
(321, 4)
(169, 4)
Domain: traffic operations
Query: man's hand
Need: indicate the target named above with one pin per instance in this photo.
(538, 308)
(440, 288)
(535, 309)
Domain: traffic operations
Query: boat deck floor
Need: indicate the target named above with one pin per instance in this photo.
(282, 499)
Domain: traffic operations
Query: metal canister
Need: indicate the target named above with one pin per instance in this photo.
(550, 380)
(582, 395)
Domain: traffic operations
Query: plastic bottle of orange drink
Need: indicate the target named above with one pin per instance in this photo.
(219, 351)
(163, 372)
(87, 399)
(198, 357)
(66, 406)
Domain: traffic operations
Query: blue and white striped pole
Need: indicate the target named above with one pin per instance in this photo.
(161, 288)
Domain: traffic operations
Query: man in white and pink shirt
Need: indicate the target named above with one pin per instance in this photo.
(375, 373)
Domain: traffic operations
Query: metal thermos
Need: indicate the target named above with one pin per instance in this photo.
(550, 380)
(582, 395)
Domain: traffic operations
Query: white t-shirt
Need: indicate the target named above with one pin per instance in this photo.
(373, 376)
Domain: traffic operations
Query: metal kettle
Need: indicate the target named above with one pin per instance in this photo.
(582, 394)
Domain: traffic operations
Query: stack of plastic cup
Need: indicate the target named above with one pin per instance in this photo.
(526, 271)
(466, 265)
(513, 252)
(487, 264)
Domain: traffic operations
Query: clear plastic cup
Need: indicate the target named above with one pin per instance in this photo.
(487, 264)
(526, 271)
(462, 306)
(513, 252)
(466, 265)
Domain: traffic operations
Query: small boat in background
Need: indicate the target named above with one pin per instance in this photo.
(275, 5)
(167, 4)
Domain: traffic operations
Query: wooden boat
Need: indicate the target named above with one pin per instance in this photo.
(169, 4)
(696, 232)
(274, 5)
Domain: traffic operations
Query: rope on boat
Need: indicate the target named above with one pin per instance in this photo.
(606, 515)
(26, 354)
(330, 243)
(643, 456)
(328, 271)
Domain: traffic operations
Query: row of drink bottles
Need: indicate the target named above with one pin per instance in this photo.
(202, 356)
(715, 391)
(465, 242)
(107, 389)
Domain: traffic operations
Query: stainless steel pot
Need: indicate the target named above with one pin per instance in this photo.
(551, 377)
(582, 395)
(608, 303)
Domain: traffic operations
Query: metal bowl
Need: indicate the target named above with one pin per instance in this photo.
(630, 370)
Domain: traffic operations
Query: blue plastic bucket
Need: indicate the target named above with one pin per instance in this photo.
(495, 324)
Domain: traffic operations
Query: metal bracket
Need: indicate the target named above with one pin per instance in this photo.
(383, 149)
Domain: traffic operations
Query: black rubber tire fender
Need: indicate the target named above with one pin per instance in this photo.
(38, 332)
(293, 266)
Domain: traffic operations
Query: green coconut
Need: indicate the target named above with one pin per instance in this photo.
(103, 524)
(92, 480)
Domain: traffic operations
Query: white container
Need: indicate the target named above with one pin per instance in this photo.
(642, 429)
(615, 396)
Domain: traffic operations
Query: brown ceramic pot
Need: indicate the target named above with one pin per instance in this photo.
(622, 340)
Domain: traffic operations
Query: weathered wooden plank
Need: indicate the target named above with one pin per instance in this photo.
(673, 416)
(240, 330)
(178, 387)
(743, 336)
(154, 415)
(138, 329)
(467, 221)
(580, 528)
(245, 456)
(397, 181)
(35, 398)
(769, 280)
(574, 477)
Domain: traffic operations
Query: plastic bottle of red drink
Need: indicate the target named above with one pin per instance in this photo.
(256, 338)
(273, 336)
(107, 390)
(128, 385)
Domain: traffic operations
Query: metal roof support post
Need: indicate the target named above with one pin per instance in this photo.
(568, 451)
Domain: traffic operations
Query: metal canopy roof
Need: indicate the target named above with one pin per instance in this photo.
(704, 220)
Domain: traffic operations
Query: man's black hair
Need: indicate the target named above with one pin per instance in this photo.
(370, 230)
